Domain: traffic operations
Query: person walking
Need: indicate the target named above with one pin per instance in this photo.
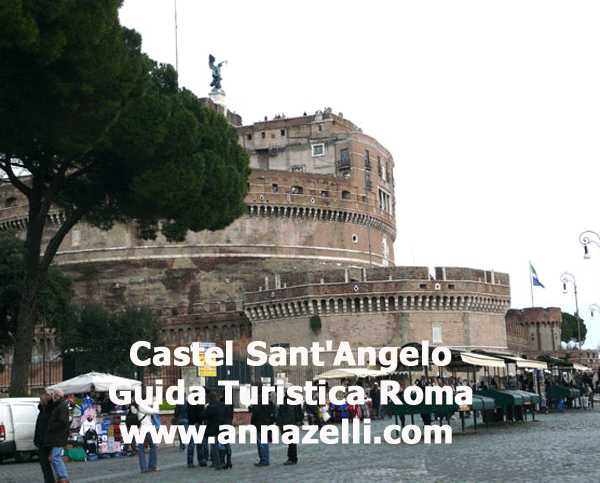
(375, 401)
(262, 415)
(41, 426)
(180, 417)
(290, 415)
(144, 414)
(214, 416)
(195, 415)
(56, 435)
(228, 420)
(314, 411)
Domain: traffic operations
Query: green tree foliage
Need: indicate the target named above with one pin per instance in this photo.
(315, 324)
(54, 303)
(105, 135)
(569, 328)
(101, 340)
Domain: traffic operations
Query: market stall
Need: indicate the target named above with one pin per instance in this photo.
(334, 412)
(95, 420)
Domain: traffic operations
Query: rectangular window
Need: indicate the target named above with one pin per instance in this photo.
(318, 149)
(283, 132)
(436, 333)
(297, 169)
(368, 184)
(263, 135)
(249, 137)
(345, 158)
(274, 188)
(367, 160)
(385, 201)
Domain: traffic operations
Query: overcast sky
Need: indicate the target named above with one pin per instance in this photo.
(491, 111)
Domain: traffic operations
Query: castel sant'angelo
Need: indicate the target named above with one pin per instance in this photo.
(316, 240)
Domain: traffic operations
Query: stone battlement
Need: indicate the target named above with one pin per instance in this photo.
(361, 291)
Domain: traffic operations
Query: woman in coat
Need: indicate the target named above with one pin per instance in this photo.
(144, 414)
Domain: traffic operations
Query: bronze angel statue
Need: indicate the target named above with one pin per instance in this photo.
(216, 72)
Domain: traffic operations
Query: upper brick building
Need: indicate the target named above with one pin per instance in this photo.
(317, 239)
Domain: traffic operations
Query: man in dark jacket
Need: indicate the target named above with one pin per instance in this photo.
(290, 414)
(195, 415)
(214, 416)
(57, 433)
(261, 416)
(41, 426)
(180, 417)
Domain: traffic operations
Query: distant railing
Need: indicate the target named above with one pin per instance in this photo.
(41, 375)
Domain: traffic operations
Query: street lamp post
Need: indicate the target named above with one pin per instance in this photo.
(594, 308)
(565, 278)
(586, 238)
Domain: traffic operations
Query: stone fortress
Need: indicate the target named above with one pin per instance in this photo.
(317, 239)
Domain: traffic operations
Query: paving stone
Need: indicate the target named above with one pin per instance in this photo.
(555, 448)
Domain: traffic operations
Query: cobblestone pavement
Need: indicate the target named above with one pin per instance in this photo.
(559, 447)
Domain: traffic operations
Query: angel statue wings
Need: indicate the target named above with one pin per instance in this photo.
(216, 72)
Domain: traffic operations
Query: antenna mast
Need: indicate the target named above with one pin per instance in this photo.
(176, 51)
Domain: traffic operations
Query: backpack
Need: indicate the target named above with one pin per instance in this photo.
(131, 419)
(90, 442)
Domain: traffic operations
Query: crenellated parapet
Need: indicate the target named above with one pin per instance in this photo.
(542, 325)
(348, 291)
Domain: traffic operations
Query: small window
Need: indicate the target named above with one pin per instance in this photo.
(297, 169)
(249, 137)
(273, 135)
(325, 193)
(423, 285)
(263, 135)
(345, 158)
(297, 190)
(274, 188)
(346, 195)
(283, 132)
(451, 285)
(367, 160)
(320, 128)
(436, 333)
(10, 202)
(318, 149)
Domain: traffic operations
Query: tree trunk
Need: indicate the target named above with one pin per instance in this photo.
(35, 275)
(24, 341)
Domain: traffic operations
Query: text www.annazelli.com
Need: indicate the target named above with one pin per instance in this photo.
(355, 432)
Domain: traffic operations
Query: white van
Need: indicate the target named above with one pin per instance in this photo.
(18, 416)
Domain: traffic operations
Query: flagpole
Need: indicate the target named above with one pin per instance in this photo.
(531, 283)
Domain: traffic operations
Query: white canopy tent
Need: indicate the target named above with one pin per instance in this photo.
(348, 372)
(476, 359)
(94, 382)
